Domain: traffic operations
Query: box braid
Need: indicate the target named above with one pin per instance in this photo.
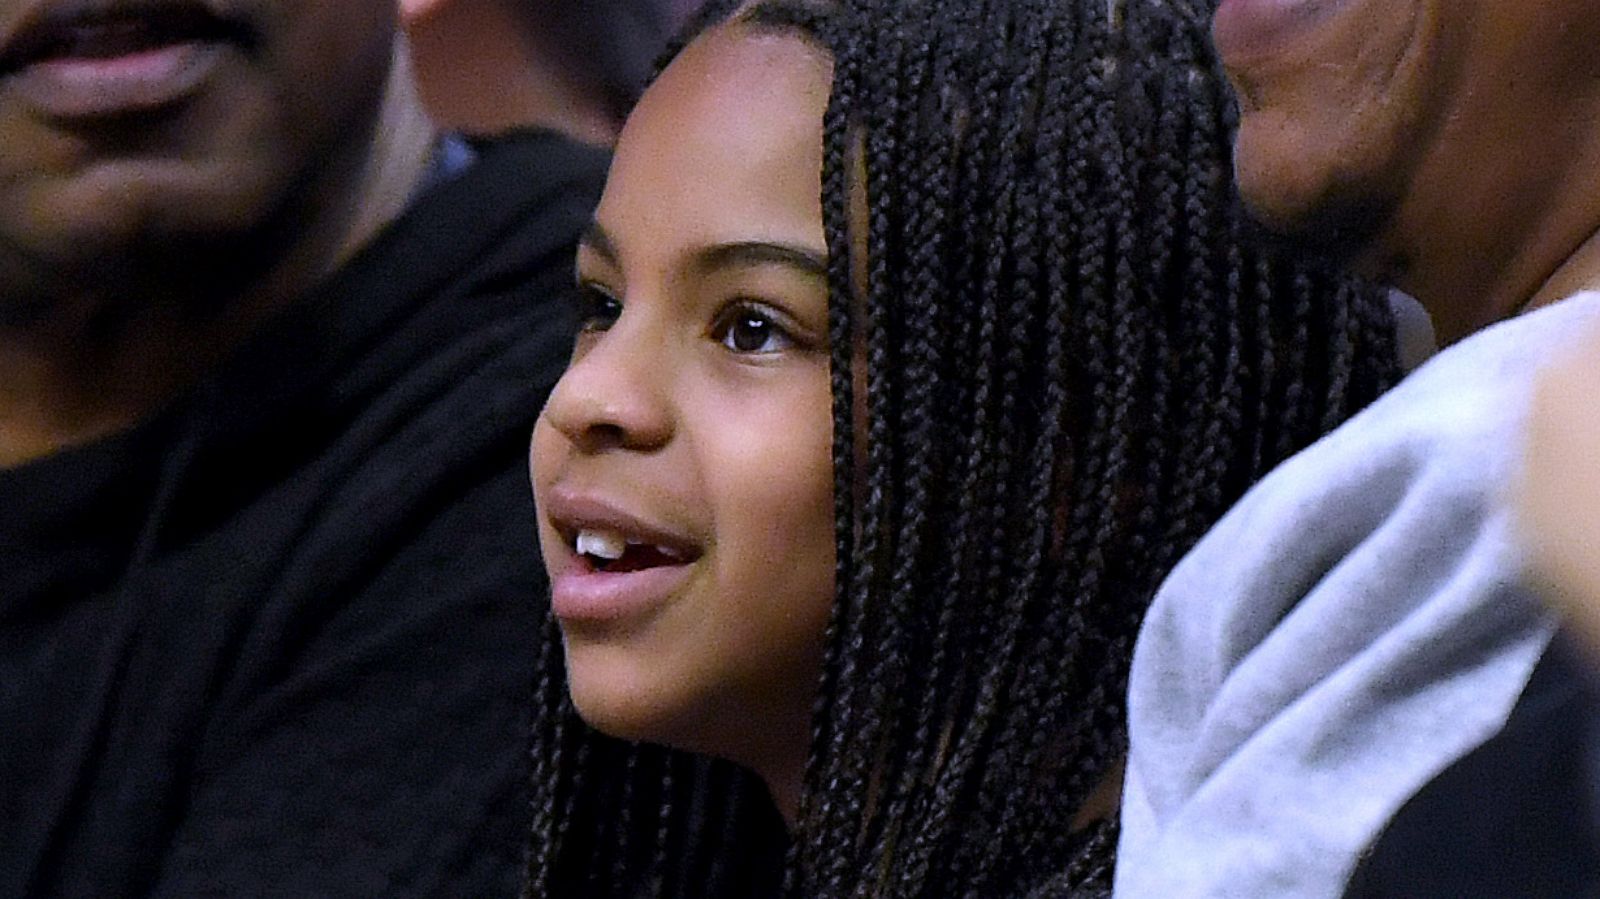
(1075, 362)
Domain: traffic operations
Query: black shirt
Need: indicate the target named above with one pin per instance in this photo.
(1517, 817)
(278, 639)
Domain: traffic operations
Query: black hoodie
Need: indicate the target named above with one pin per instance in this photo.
(278, 639)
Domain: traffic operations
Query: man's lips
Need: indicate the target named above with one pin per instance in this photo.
(102, 31)
(1244, 29)
(96, 59)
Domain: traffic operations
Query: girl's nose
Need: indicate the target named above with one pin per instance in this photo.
(612, 395)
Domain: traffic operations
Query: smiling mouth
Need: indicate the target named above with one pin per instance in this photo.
(614, 553)
(617, 574)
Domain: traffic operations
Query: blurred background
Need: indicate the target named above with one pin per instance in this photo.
(486, 66)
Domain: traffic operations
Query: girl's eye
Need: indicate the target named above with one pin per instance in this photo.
(597, 310)
(750, 330)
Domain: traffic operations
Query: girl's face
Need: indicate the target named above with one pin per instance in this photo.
(682, 467)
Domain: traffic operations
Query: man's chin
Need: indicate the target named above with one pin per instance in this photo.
(1344, 232)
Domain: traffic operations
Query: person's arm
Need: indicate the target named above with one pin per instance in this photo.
(387, 756)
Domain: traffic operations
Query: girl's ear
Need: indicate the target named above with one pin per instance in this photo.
(413, 11)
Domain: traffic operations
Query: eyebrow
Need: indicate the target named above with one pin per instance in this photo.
(735, 254)
(757, 252)
(595, 238)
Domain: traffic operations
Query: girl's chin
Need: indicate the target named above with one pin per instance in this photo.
(621, 705)
(628, 715)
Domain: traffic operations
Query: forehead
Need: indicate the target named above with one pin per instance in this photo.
(726, 145)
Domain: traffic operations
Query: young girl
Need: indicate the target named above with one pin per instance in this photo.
(920, 341)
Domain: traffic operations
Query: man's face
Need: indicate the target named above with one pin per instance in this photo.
(1365, 121)
(140, 133)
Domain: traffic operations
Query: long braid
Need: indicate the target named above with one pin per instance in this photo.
(549, 759)
(944, 259)
(925, 225)
(1030, 534)
(1041, 684)
(892, 481)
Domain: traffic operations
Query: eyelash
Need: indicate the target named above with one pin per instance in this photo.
(746, 312)
(598, 310)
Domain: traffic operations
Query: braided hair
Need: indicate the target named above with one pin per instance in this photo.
(1075, 361)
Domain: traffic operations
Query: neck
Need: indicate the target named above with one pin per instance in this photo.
(1470, 273)
(1579, 272)
(777, 753)
(483, 71)
(1501, 209)
(72, 378)
(785, 784)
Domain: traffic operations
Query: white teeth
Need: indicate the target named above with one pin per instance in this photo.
(601, 545)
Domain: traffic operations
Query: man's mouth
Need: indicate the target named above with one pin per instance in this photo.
(117, 33)
(1243, 30)
(86, 60)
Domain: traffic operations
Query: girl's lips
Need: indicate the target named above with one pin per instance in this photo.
(1246, 29)
(570, 512)
(580, 594)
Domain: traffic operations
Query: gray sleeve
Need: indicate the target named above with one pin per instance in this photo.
(1351, 628)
